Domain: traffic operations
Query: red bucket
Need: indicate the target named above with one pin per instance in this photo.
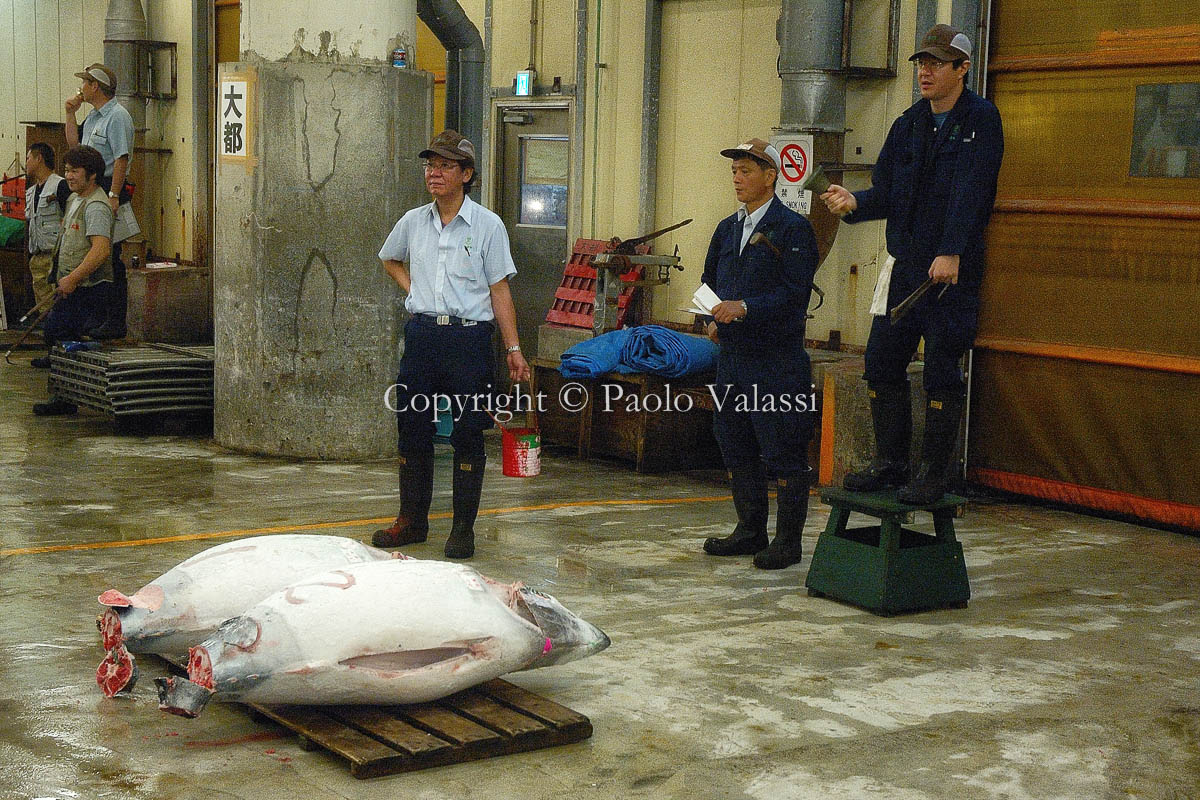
(521, 451)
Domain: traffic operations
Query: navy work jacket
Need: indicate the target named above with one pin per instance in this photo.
(937, 189)
(775, 284)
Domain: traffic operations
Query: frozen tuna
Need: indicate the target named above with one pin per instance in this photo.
(186, 604)
(386, 632)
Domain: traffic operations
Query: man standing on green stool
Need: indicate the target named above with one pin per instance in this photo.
(935, 183)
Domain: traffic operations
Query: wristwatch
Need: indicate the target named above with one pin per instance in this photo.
(516, 348)
(112, 194)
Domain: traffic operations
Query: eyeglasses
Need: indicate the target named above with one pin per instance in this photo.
(931, 64)
(441, 166)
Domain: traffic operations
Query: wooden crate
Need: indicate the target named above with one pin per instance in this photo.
(655, 441)
(493, 719)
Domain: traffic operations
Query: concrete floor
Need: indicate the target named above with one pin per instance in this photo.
(1073, 673)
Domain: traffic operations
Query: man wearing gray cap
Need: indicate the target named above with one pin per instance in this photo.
(761, 263)
(935, 183)
(451, 258)
(108, 128)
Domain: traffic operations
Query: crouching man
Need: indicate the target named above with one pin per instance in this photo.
(83, 275)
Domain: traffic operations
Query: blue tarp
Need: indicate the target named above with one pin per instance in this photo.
(595, 357)
(653, 348)
(647, 348)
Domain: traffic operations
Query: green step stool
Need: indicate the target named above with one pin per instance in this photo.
(886, 568)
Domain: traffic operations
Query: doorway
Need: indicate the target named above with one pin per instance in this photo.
(533, 164)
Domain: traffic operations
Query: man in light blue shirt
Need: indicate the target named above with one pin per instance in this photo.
(108, 128)
(451, 257)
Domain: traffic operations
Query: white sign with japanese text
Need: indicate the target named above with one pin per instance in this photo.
(235, 122)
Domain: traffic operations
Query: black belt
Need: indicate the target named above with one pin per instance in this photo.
(448, 319)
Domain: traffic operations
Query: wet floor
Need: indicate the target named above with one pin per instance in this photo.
(1072, 674)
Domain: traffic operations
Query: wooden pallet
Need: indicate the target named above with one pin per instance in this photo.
(493, 719)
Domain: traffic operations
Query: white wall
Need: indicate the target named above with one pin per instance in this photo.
(43, 43)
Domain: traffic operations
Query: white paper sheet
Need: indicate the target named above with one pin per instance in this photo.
(879, 301)
(705, 298)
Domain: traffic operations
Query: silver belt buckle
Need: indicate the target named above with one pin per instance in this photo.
(443, 319)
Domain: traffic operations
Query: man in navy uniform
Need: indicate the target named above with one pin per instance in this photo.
(935, 183)
(451, 257)
(761, 263)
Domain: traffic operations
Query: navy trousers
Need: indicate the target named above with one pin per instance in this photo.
(766, 412)
(451, 360)
(79, 313)
(947, 323)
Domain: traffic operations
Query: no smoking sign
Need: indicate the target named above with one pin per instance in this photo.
(795, 158)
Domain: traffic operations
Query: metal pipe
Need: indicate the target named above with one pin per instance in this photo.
(596, 112)
(810, 39)
(125, 24)
(533, 23)
(983, 46)
(580, 111)
(202, 124)
(465, 81)
(651, 85)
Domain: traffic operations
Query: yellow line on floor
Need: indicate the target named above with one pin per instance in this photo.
(316, 526)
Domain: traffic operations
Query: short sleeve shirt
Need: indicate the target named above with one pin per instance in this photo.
(109, 129)
(98, 220)
(452, 267)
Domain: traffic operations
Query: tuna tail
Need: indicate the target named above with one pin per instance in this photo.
(569, 637)
(182, 697)
(117, 673)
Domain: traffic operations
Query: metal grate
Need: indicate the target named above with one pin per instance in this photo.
(132, 381)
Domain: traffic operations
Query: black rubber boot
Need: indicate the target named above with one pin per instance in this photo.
(468, 487)
(749, 486)
(891, 417)
(54, 407)
(416, 493)
(114, 326)
(792, 502)
(942, 417)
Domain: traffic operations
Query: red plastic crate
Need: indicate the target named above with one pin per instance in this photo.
(575, 299)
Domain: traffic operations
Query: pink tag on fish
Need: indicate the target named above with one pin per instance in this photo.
(549, 646)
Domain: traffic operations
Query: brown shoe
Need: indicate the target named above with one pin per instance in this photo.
(400, 533)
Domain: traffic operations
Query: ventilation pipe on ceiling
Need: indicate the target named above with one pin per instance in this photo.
(465, 84)
(813, 98)
(124, 25)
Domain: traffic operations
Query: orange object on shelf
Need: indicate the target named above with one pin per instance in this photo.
(13, 188)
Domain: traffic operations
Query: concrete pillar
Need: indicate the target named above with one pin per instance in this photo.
(306, 323)
(348, 31)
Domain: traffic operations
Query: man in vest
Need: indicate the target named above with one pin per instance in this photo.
(83, 272)
(45, 200)
(108, 128)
